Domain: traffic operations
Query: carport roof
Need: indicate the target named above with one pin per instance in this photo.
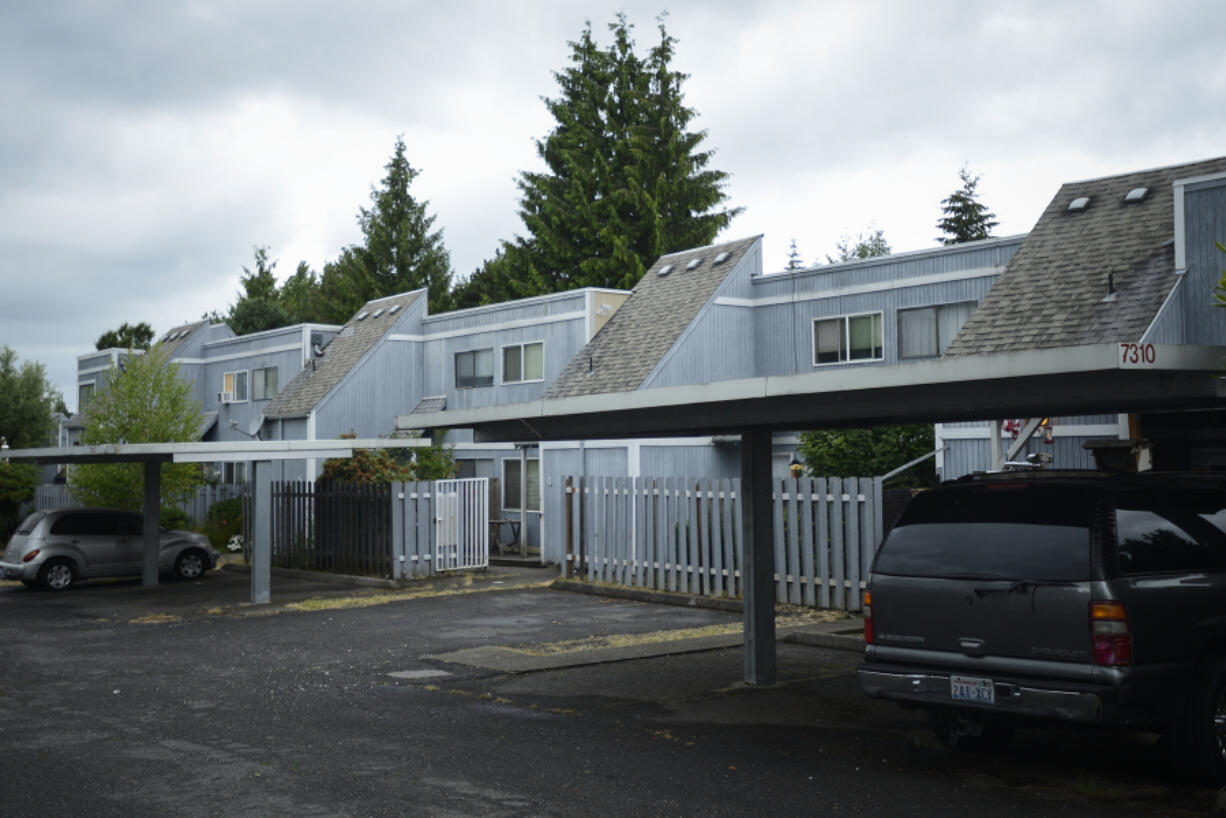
(209, 452)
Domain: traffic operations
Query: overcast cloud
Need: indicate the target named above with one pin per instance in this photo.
(146, 147)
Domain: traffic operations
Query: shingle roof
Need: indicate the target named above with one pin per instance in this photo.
(1051, 293)
(356, 338)
(646, 326)
(179, 334)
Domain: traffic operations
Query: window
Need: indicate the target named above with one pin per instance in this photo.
(510, 484)
(847, 338)
(234, 474)
(1165, 531)
(474, 368)
(478, 467)
(264, 383)
(1036, 532)
(236, 384)
(85, 394)
(523, 362)
(926, 332)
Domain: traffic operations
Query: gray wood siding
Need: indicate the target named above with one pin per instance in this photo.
(716, 460)
(478, 318)
(368, 398)
(718, 344)
(561, 339)
(1205, 223)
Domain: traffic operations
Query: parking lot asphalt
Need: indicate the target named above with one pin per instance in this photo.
(336, 700)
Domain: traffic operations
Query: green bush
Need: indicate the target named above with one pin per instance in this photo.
(224, 520)
(17, 484)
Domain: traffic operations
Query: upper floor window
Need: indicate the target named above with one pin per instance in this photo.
(85, 394)
(234, 384)
(925, 332)
(474, 368)
(264, 383)
(847, 338)
(523, 362)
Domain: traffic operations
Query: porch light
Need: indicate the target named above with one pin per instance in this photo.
(796, 468)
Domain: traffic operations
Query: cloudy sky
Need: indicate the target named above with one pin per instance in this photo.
(146, 147)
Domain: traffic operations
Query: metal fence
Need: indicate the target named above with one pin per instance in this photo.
(391, 530)
(684, 535)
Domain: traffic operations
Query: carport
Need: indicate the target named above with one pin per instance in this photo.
(1088, 379)
(258, 453)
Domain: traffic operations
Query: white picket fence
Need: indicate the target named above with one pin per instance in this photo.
(684, 535)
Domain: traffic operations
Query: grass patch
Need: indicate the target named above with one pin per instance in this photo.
(155, 619)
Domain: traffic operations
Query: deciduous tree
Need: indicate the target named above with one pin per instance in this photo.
(144, 402)
(27, 402)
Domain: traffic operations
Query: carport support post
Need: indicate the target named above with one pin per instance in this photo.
(758, 571)
(153, 522)
(261, 531)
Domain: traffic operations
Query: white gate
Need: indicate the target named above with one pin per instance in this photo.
(461, 524)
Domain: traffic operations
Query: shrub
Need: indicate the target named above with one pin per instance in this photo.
(223, 522)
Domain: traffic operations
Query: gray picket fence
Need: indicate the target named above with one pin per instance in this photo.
(50, 496)
(684, 535)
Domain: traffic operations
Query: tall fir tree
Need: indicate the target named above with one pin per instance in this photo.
(625, 179)
(966, 218)
(399, 252)
(795, 262)
(258, 307)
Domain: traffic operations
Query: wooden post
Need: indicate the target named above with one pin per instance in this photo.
(759, 567)
(568, 497)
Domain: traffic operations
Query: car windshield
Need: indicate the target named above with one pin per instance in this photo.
(27, 525)
(1019, 531)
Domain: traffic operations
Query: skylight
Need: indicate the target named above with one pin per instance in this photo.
(721, 258)
(693, 265)
(395, 308)
(1079, 204)
(665, 270)
(378, 312)
(362, 316)
(1136, 195)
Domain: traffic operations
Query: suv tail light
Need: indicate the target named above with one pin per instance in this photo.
(1110, 633)
(868, 617)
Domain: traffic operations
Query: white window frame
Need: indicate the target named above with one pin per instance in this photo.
(261, 376)
(936, 327)
(502, 361)
(234, 398)
(455, 365)
(514, 461)
(846, 320)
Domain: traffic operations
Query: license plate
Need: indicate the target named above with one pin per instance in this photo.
(972, 689)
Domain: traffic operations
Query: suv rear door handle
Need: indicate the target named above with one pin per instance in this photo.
(971, 647)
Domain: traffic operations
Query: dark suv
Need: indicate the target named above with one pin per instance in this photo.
(1068, 596)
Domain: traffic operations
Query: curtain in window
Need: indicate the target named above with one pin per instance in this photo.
(865, 332)
(828, 341)
(917, 333)
(951, 319)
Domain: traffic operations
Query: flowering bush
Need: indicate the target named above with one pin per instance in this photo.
(235, 544)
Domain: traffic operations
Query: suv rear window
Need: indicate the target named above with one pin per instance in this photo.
(1164, 530)
(993, 531)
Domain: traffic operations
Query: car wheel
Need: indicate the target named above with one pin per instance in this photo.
(968, 732)
(1199, 740)
(57, 575)
(191, 564)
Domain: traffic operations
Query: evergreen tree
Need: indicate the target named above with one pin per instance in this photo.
(794, 260)
(300, 296)
(625, 179)
(258, 307)
(128, 336)
(966, 218)
(399, 252)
